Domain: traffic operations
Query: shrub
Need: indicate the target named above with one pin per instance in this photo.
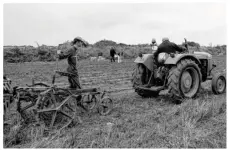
(48, 53)
(42, 52)
(193, 44)
(104, 43)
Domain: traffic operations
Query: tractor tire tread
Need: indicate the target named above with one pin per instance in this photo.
(174, 77)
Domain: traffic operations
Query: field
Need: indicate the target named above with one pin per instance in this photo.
(135, 122)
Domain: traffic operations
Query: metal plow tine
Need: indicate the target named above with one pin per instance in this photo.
(66, 125)
(70, 108)
(65, 114)
(45, 92)
(53, 119)
(64, 101)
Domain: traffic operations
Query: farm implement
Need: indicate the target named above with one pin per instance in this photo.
(57, 107)
(8, 95)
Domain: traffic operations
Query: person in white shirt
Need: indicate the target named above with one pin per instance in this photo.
(120, 57)
(154, 45)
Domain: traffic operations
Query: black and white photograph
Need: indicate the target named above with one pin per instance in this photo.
(142, 74)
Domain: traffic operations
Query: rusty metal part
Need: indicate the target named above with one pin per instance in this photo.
(54, 109)
(57, 107)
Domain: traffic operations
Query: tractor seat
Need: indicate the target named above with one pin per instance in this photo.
(162, 57)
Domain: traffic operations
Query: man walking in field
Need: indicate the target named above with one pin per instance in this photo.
(71, 56)
(112, 54)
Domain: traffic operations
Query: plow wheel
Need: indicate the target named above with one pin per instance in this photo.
(26, 100)
(57, 112)
(89, 101)
(25, 103)
(105, 106)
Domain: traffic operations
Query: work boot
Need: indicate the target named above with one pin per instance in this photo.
(79, 102)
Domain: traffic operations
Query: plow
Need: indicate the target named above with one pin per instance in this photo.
(54, 106)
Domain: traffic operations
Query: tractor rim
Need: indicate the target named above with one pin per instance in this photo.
(189, 82)
(186, 81)
(220, 84)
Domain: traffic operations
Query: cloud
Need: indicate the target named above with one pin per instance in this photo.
(158, 25)
(129, 23)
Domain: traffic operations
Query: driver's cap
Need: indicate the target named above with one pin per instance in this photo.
(79, 39)
(165, 39)
(153, 40)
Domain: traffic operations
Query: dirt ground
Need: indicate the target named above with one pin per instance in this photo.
(137, 122)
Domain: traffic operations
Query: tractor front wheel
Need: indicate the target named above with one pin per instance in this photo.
(218, 84)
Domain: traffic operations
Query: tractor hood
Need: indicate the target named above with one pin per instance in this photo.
(194, 55)
(146, 59)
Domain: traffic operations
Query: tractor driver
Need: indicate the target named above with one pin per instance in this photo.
(70, 55)
(167, 47)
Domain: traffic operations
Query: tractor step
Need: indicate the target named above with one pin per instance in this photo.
(154, 88)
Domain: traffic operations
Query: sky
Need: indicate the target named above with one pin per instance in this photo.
(129, 23)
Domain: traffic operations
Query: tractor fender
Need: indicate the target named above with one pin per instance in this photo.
(146, 60)
(178, 57)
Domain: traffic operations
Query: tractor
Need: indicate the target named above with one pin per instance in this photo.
(179, 73)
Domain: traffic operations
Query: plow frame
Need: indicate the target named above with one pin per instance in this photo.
(78, 98)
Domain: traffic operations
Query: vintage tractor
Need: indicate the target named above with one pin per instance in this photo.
(181, 74)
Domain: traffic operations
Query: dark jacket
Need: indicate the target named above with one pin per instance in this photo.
(168, 47)
(112, 52)
(70, 54)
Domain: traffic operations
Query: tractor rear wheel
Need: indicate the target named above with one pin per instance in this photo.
(139, 78)
(184, 79)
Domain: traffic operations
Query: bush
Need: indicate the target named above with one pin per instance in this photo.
(48, 53)
(104, 43)
(193, 44)
(16, 51)
(14, 55)
(42, 52)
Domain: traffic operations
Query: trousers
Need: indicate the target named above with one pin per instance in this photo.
(74, 79)
(112, 59)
